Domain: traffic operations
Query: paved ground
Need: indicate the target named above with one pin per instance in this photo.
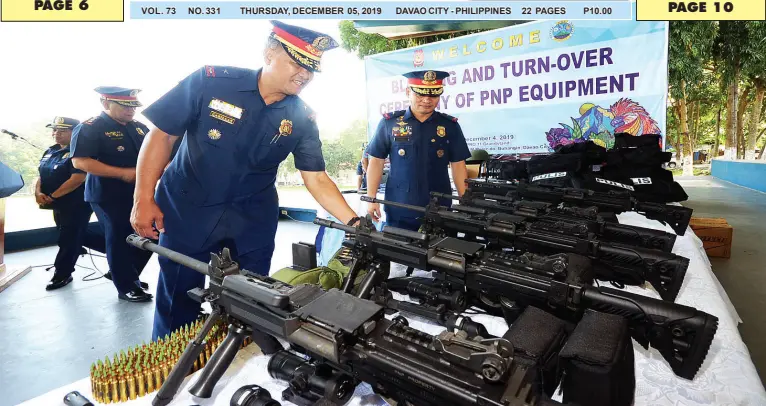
(744, 274)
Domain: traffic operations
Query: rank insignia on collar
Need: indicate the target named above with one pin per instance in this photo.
(285, 128)
(214, 134)
(440, 153)
(65, 156)
(441, 131)
(120, 148)
(140, 131)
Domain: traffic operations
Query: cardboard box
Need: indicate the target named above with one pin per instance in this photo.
(716, 235)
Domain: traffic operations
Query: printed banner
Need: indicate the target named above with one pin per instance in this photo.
(530, 87)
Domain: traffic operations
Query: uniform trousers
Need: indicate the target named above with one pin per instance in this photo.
(251, 249)
(72, 221)
(125, 261)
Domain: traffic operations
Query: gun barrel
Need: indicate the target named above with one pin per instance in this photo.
(331, 224)
(147, 245)
(393, 204)
(445, 195)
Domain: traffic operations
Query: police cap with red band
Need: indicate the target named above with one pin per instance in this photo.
(427, 82)
(303, 45)
(120, 95)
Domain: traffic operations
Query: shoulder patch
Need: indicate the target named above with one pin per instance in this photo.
(212, 71)
(394, 114)
(449, 117)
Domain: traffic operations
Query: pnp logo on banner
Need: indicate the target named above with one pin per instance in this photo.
(62, 10)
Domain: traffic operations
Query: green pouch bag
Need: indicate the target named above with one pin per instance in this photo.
(328, 277)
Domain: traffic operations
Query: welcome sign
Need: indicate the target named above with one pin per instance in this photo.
(531, 87)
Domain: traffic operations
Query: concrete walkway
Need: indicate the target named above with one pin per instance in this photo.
(744, 274)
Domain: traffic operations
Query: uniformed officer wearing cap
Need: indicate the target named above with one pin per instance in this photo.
(236, 126)
(422, 144)
(60, 188)
(106, 147)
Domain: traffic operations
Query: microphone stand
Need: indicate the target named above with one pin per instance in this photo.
(18, 137)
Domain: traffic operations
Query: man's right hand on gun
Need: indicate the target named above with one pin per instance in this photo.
(146, 219)
(373, 209)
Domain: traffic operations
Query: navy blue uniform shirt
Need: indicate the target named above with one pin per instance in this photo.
(232, 141)
(420, 154)
(55, 169)
(111, 143)
(231, 147)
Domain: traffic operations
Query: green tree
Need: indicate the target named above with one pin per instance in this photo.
(353, 40)
(689, 51)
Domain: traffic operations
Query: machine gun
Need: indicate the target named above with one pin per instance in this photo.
(351, 336)
(619, 263)
(680, 333)
(677, 217)
(586, 217)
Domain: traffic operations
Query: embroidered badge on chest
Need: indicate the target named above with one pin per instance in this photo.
(214, 134)
(441, 131)
(226, 108)
(114, 134)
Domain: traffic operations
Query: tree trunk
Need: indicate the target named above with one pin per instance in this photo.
(688, 165)
(714, 152)
(741, 109)
(755, 119)
(731, 120)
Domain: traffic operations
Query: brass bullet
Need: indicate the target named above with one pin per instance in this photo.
(115, 393)
(157, 376)
(148, 378)
(140, 381)
(123, 389)
(131, 382)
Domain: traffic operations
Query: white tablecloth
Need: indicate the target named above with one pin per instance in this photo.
(727, 377)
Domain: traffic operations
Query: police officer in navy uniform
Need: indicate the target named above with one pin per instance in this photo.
(235, 127)
(106, 147)
(60, 188)
(422, 144)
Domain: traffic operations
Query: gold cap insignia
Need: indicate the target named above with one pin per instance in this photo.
(321, 43)
(440, 153)
(429, 78)
(120, 148)
(59, 120)
(401, 152)
(441, 131)
(133, 93)
(214, 134)
(285, 127)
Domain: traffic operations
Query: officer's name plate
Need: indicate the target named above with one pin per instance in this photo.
(62, 10)
(388, 10)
